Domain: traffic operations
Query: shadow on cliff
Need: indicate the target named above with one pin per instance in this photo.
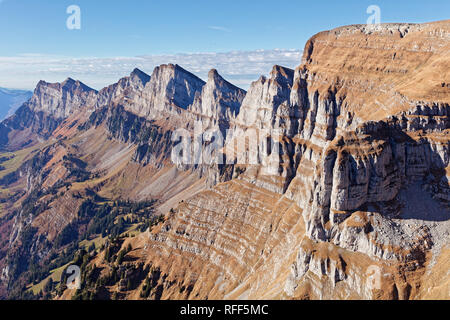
(419, 204)
(422, 196)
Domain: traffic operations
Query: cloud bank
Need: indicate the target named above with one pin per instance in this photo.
(219, 28)
(238, 67)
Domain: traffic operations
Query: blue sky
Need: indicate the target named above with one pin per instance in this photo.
(136, 28)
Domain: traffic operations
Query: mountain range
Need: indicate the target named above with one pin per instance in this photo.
(330, 181)
(10, 100)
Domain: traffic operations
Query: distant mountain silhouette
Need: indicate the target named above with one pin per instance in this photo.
(11, 99)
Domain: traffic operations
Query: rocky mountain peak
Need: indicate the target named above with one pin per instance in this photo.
(69, 81)
(282, 74)
(213, 75)
(43, 85)
(61, 99)
(138, 75)
(216, 80)
(176, 71)
(172, 86)
(219, 99)
(265, 96)
(68, 85)
(75, 86)
(126, 88)
(391, 69)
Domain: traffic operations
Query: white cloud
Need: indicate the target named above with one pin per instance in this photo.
(218, 28)
(238, 67)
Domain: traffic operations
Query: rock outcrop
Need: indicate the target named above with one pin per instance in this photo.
(127, 88)
(267, 99)
(61, 100)
(170, 90)
(219, 102)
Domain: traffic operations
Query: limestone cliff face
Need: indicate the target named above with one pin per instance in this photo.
(266, 99)
(337, 88)
(170, 90)
(127, 88)
(357, 142)
(220, 101)
(262, 126)
(49, 106)
(60, 100)
(357, 137)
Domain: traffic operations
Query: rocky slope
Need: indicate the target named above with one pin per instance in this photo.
(348, 159)
(334, 182)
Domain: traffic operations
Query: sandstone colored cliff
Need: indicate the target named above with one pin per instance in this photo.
(356, 207)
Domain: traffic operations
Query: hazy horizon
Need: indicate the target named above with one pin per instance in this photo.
(240, 39)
